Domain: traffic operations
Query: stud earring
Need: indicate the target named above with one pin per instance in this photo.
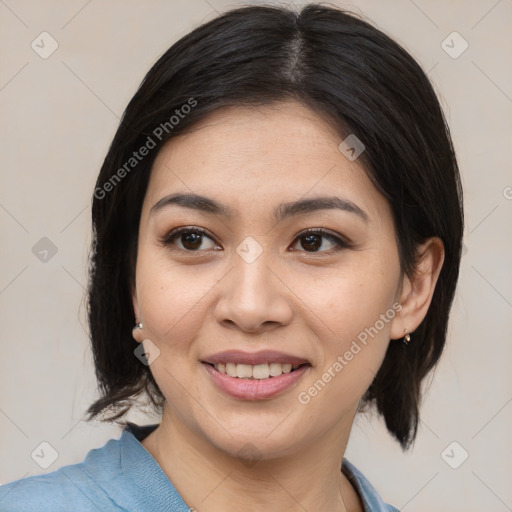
(137, 326)
(407, 337)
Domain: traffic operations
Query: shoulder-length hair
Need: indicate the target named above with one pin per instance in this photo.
(362, 83)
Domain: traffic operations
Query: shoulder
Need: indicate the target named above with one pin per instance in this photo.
(82, 486)
(370, 497)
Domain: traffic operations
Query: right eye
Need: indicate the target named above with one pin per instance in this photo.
(191, 239)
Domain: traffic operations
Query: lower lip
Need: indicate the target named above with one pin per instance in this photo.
(255, 389)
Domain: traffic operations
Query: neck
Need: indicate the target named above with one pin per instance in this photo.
(210, 480)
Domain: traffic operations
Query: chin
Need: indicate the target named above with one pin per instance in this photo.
(256, 438)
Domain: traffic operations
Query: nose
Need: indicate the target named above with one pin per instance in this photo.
(253, 298)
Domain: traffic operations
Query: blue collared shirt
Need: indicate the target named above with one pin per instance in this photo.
(122, 476)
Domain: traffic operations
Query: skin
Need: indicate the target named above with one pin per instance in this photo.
(223, 453)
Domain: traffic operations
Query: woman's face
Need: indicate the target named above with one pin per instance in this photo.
(262, 247)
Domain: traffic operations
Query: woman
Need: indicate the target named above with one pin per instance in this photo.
(280, 217)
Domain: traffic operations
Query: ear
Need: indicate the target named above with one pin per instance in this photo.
(416, 292)
(136, 333)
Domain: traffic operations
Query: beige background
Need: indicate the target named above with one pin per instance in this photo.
(58, 117)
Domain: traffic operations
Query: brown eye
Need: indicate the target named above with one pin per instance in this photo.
(191, 240)
(311, 242)
(187, 239)
(319, 241)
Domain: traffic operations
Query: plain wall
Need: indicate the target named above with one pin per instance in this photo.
(58, 116)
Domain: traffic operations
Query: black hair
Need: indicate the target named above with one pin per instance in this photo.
(362, 83)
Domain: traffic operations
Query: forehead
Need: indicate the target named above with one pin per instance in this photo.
(273, 153)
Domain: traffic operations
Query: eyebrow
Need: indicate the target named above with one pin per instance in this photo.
(193, 201)
(303, 206)
(284, 210)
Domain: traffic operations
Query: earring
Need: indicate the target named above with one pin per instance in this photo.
(137, 327)
(407, 337)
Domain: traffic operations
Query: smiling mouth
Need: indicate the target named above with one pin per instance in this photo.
(256, 371)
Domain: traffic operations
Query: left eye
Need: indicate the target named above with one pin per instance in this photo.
(318, 241)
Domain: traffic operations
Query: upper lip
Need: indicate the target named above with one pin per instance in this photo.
(261, 357)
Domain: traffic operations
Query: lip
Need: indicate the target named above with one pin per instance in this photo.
(254, 389)
(261, 357)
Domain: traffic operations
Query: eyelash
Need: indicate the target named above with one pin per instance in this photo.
(168, 239)
(339, 242)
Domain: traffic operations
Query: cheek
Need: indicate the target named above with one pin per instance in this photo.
(353, 334)
(351, 298)
(173, 308)
(352, 309)
(172, 301)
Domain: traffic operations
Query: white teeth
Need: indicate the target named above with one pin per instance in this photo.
(257, 371)
(243, 371)
(260, 371)
(230, 369)
(287, 368)
(275, 369)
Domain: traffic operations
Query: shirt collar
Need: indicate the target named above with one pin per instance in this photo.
(139, 466)
(370, 497)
